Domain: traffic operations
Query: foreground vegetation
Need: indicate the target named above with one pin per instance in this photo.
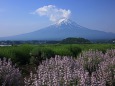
(90, 68)
(30, 54)
(33, 65)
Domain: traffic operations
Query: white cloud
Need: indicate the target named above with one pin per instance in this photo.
(53, 13)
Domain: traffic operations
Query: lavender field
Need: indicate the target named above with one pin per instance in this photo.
(90, 68)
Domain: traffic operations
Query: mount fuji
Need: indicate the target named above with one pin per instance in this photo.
(62, 29)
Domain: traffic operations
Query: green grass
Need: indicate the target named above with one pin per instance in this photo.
(23, 53)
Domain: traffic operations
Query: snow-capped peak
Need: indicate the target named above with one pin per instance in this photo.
(63, 21)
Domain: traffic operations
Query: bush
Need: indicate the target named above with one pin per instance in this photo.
(9, 74)
(91, 60)
(38, 54)
(58, 71)
(75, 50)
(62, 51)
(22, 54)
(91, 68)
(18, 54)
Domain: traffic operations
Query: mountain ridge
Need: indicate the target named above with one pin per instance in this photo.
(60, 30)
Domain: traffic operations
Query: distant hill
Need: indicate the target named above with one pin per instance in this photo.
(61, 30)
(112, 41)
(75, 41)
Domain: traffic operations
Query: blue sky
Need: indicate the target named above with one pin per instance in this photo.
(17, 16)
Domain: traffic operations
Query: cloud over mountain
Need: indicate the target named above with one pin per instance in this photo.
(53, 13)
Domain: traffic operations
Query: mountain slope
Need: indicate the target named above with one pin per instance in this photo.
(62, 29)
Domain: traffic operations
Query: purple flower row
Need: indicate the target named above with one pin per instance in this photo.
(91, 68)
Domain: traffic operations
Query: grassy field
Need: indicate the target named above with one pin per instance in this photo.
(23, 54)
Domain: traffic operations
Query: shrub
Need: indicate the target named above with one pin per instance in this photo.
(62, 51)
(9, 74)
(75, 50)
(39, 54)
(92, 68)
(91, 59)
(22, 54)
(58, 71)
